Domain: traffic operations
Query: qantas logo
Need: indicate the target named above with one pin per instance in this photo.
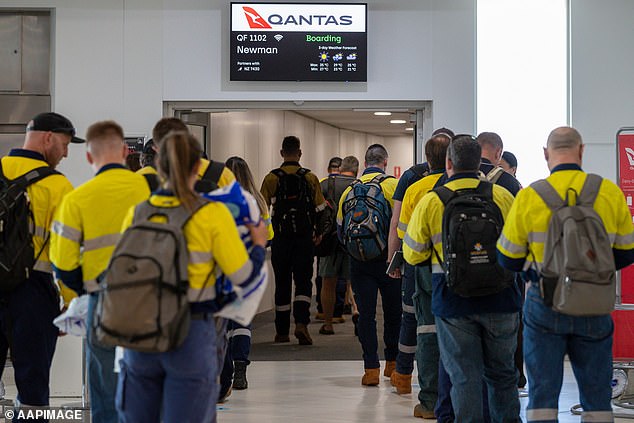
(255, 20)
(630, 155)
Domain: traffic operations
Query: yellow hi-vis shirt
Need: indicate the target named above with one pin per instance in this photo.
(424, 231)
(521, 245)
(45, 196)
(388, 186)
(87, 225)
(412, 196)
(226, 177)
(214, 247)
(269, 186)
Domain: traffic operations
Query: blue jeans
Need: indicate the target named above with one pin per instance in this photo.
(407, 337)
(102, 380)
(369, 278)
(481, 347)
(427, 354)
(175, 386)
(548, 336)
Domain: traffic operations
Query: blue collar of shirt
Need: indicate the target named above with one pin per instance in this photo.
(437, 171)
(110, 166)
(29, 154)
(373, 169)
(164, 192)
(483, 160)
(463, 175)
(565, 166)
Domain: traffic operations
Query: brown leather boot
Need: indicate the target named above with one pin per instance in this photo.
(423, 413)
(302, 335)
(371, 377)
(402, 383)
(390, 366)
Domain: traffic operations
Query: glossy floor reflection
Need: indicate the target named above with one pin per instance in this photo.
(331, 391)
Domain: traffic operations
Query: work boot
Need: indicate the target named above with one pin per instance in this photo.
(423, 413)
(371, 377)
(390, 366)
(224, 393)
(302, 335)
(240, 375)
(281, 338)
(402, 383)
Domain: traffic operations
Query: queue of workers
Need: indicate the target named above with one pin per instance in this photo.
(458, 315)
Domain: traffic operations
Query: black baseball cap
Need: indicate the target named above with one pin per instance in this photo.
(54, 122)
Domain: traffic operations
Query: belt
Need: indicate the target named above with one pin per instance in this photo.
(202, 316)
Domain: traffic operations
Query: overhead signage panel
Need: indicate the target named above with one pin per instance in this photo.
(298, 42)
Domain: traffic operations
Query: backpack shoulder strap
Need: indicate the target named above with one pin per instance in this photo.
(444, 193)
(485, 188)
(331, 188)
(302, 171)
(590, 189)
(278, 172)
(494, 174)
(152, 181)
(35, 175)
(421, 170)
(213, 171)
(545, 190)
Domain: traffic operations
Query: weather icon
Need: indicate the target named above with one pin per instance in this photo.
(323, 56)
(352, 56)
(337, 57)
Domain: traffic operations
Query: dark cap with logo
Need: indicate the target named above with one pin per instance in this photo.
(54, 122)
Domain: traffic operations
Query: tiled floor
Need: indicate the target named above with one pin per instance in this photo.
(325, 391)
(309, 391)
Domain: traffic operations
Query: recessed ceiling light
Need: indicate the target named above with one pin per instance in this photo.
(398, 121)
(383, 113)
(409, 129)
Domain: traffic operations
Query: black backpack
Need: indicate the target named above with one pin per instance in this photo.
(471, 226)
(152, 180)
(17, 254)
(209, 181)
(293, 210)
(329, 241)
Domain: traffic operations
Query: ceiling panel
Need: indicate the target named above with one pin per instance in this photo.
(363, 121)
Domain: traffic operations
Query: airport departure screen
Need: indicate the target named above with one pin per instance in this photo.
(298, 42)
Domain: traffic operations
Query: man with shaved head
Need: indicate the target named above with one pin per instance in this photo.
(548, 334)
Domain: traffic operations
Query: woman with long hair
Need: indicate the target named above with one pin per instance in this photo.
(239, 346)
(176, 386)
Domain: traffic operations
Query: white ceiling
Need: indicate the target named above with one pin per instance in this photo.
(363, 121)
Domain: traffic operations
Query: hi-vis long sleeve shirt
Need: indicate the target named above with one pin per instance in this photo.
(88, 222)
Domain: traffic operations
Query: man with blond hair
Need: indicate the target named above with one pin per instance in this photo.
(85, 231)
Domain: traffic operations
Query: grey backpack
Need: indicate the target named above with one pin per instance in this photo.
(578, 273)
(143, 303)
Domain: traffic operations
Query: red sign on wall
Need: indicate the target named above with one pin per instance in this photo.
(397, 171)
(623, 347)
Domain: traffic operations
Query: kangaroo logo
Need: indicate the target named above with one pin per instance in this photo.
(255, 20)
(630, 155)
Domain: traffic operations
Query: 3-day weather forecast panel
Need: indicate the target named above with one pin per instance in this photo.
(298, 42)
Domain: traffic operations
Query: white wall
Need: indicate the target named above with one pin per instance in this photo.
(120, 59)
(256, 136)
(602, 90)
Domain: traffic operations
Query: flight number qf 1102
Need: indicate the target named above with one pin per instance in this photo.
(252, 37)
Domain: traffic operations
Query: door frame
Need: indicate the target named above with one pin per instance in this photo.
(421, 113)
